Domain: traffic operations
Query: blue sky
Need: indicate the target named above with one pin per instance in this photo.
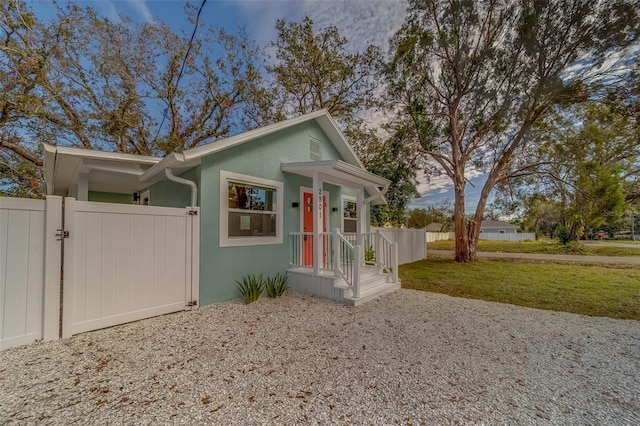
(362, 22)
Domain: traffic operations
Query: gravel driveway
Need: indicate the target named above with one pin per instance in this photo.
(408, 358)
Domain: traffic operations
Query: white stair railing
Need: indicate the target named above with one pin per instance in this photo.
(347, 261)
(380, 251)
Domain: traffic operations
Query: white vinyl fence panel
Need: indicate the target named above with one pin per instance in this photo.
(495, 236)
(490, 236)
(411, 243)
(432, 237)
(29, 270)
(129, 262)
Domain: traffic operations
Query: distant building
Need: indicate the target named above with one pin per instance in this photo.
(496, 227)
(434, 227)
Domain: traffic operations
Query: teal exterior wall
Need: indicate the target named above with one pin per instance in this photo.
(221, 267)
(171, 194)
(110, 197)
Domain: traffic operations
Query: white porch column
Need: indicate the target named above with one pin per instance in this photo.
(318, 217)
(360, 222)
(82, 191)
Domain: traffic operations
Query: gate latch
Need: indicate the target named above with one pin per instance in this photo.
(62, 234)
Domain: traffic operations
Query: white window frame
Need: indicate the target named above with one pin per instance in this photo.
(225, 239)
(344, 198)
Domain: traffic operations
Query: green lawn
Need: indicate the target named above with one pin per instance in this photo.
(596, 290)
(540, 247)
(618, 241)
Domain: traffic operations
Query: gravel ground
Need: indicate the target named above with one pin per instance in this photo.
(408, 358)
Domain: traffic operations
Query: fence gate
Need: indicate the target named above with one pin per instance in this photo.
(121, 263)
(127, 262)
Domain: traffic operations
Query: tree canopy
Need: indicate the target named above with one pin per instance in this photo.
(80, 79)
(316, 69)
(471, 79)
(588, 156)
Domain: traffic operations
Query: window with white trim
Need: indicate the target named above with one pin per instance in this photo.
(349, 218)
(250, 210)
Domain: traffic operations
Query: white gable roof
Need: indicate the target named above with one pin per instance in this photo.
(107, 171)
(190, 158)
(124, 173)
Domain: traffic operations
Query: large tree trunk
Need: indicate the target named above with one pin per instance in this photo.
(468, 232)
(463, 249)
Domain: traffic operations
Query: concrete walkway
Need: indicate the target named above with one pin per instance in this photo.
(633, 260)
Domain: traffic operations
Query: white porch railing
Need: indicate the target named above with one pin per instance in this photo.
(302, 248)
(343, 256)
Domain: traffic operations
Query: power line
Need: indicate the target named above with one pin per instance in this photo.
(184, 63)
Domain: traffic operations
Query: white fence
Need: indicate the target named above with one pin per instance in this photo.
(121, 263)
(412, 245)
(495, 236)
(126, 262)
(432, 237)
(489, 236)
(29, 270)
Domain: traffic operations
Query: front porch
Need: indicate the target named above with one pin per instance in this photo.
(347, 267)
(354, 268)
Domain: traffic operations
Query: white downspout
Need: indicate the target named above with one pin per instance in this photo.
(194, 188)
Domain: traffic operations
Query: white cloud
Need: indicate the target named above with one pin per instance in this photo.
(438, 189)
(141, 8)
(362, 22)
(109, 10)
(112, 9)
(261, 16)
(441, 184)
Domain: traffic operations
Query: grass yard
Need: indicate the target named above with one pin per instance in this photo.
(540, 247)
(596, 290)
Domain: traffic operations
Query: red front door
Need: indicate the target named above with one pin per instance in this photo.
(307, 226)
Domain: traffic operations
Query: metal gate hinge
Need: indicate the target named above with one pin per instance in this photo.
(193, 212)
(192, 303)
(61, 234)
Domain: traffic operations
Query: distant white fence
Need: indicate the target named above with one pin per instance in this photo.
(489, 236)
(520, 236)
(412, 245)
(432, 237)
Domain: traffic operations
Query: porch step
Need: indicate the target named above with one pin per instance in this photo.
(373, 283)
(372, 292)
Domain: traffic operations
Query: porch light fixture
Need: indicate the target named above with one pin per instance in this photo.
(295, 204)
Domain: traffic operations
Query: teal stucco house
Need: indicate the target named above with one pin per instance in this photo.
(290, 197)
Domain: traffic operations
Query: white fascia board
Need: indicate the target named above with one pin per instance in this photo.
(167, 162)
(339, 141)
(103, 155)
(327, 166)
(343, 174)
(192, 157)
(241, 138)
(361, 173)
